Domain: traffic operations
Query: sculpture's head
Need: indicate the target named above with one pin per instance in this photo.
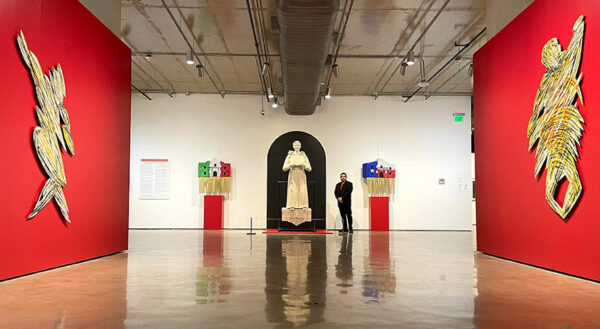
(552, 56)
(297, 145)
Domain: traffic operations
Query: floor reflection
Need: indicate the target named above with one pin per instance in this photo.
(86, 295)
(379, 278)
(213, 278)
(343, 269)
(512, 295)
(296, 277)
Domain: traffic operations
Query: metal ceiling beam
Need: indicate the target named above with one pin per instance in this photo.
(391, 93)
(147, 75)
(339, 44)
(414, 23)
(464, 47)
(191, 47)
(141, 92)
(198, 44)
(422, 93)
(265, 45)
(128, 44)
(437, 14)
(450, 78)
(211, 6)
(359, 56)
(466, 32)
(259, 60)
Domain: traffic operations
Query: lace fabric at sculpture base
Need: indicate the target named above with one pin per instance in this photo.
(296, 216)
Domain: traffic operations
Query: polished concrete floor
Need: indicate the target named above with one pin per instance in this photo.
(213, 279)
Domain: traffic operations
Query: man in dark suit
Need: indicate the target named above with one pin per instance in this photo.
(343, 194)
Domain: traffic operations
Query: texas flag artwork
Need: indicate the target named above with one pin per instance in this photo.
(380, 177)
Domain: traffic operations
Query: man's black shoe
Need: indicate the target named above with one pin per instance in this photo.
(351, 231)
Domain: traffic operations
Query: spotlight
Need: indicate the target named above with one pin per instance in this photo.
(265, 68)
(336, 70)
(200, 70)
(328, 93)
(470, 70)
(171, 92)
(148, 57)
(403, 66)
(270, 93)
(423, 83)
(275, 105)
(189, 59)
(410, 59)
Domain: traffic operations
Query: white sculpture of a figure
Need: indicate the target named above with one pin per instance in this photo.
(296, 163)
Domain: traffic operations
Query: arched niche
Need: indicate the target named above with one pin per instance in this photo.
(277, 179)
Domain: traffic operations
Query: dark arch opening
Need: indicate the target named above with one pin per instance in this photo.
(277, 179)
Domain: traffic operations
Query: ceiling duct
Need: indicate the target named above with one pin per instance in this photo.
(306, 29)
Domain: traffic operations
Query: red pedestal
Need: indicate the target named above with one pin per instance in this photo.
(380, 213)
(213, 212)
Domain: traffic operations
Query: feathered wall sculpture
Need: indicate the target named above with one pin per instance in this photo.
(556, 124)
(53, 132)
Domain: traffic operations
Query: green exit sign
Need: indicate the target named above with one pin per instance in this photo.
(458, 116)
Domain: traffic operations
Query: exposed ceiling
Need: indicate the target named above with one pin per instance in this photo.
(377, 36)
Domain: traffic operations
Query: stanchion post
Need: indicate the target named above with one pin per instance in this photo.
(250, 233)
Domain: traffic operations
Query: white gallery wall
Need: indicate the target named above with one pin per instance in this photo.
(420, 137)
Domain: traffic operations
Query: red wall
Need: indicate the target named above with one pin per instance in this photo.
(514, 219)
(97, 72)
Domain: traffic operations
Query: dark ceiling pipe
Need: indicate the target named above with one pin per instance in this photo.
(141, 92)
(339, 44)
(306, 29)
(191, 47)
(437, 14)
(464, 47)
(260, 62)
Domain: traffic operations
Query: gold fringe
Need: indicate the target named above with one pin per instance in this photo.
(215, 185)
(381, 185)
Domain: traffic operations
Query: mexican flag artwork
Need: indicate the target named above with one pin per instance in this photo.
(214, 177)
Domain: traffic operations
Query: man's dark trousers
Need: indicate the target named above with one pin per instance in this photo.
(346, 213)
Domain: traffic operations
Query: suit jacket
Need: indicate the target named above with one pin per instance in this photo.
(345, 193)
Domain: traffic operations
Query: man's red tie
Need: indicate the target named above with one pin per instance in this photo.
(341, 186)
